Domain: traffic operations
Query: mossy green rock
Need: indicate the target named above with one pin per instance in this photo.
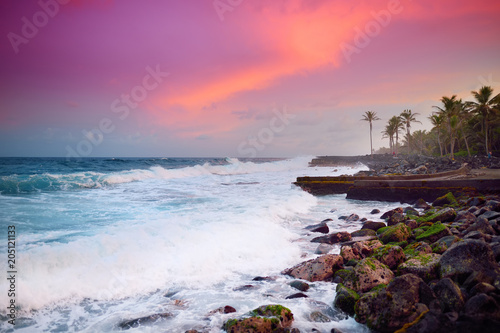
(425, 266)
(266, 318)
(390, 255)
(447, 214)
(434, 233)
(367, 274)
(447, 199)
(396, 233)
(345, 299)
(389, 308)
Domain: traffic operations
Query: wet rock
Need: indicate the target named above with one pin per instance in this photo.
(389, 308)
(375, 211)
(493, 205)
(466, 257)
(424, 266)
(395, 219)
(391, 212)
(396, 233)
(373, 225)
(410, 211)
(363, 233)
(264, 278)
(412, 224)
(323, 248)
(244, 287)
(366, 248)
(352, 218)
(476, 201)
(320, 227)
(481, 225)
(267, 318)
(482, 288)
(334, 238)
(299, 285)
(348, 253)
(417, 249)
(319, 317)
(222, 309)
(368, 273)
(297, 295)
(345, 299)
(319, 269)
(128, 324)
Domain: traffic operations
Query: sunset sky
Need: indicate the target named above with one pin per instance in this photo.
(239, 78)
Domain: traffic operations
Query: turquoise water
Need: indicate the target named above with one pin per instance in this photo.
(103, 240)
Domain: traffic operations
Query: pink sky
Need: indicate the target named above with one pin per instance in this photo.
(246, 78)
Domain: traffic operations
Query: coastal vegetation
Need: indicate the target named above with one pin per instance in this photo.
(459, 128)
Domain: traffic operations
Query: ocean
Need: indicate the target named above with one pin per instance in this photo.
(99, 241)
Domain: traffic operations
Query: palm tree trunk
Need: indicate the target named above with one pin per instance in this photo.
(371, 145)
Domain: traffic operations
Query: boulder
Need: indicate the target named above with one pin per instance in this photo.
(424, 266)
(375, 211)
(421, 204)
(345, 299)
(434, 233)
(368, 273)
(267, 318)
(352, 218)
(320, 227)
(299, 285)
(466, 257)
(481, 225)
(396, 233)
(444, 244)
(334, 238)
(395, 218)
(490, 215)
(128, 324)
(391, 212)
(373, 225)
(493, 205)
(363, 233)
(366, 248)
(417, 249)
(447, 214)
(323, 248)
(390, 255)
(319, 269)
(447, 199)
(481, 307)
(389, 308)
(449, 295)
(348, 253)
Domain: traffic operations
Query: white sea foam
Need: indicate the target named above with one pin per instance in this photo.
(203, 230)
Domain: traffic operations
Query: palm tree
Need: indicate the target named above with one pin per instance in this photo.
(370, 116)
(437, 122)
(485, 106)
(389, 132)
(449, 111)
(396, 125)
(408, 117)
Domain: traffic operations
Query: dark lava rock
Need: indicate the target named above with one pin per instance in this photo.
(389, 308)
(319, 269)
(334, 238)
(321, 227)
(143, 320)
(373, 225)
(466, 257)
(449, 295)
(300, 285)
(375, 211)
(297, 295)
(388, 214)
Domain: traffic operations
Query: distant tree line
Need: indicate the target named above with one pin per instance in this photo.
(460, 128)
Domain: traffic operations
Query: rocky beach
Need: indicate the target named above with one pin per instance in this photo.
(429, 267)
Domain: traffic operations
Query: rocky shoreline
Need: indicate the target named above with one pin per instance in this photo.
(427, 268)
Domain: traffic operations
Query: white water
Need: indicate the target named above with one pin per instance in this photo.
(89, 259)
